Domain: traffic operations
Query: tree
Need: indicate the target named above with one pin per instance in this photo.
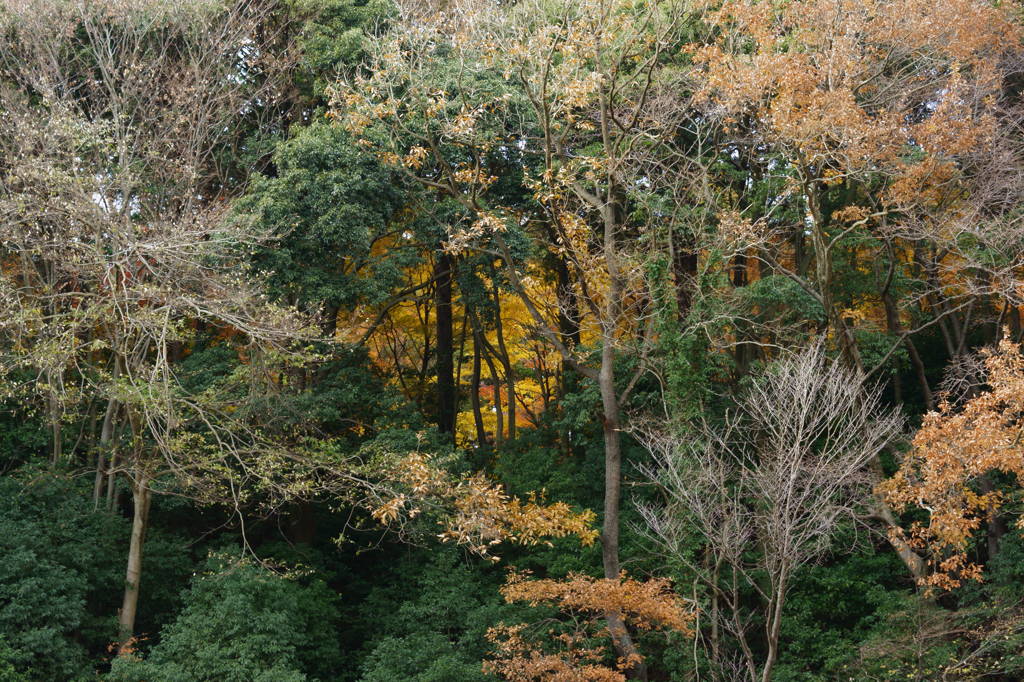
(115, 251)
(872, 117)
(572, 655)
(474, 511)
(61, 560)
(768, 490)
(956, 446)
(244, 622)
(571, 115)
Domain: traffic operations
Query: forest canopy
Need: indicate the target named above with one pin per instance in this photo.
(531, 340)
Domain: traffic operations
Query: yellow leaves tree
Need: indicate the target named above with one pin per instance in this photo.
(472, 510)
(955, 447)
(573, 655)
(564, 91)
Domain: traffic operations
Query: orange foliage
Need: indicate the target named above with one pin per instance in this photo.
(847, 86)
(649, 605)
(955, 446)
(518, 659)
(478, 513)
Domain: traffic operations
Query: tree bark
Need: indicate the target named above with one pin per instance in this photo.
(774, 628)
(56, 432)
(474, 390)
(445, 368)
(111, 481)
(612, 215)
(499, 415)
(995, 528)
(896, 327)
(141, 496)
(106, 436)
(506, 364)
(684, 272)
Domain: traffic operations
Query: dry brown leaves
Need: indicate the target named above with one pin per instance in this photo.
(954, 447)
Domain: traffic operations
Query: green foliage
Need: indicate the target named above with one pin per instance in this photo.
(327, 207)
(349, 237)
(22, 434)
(427, 620)
(420, 657)
(776, 297)
(244, 622)
(61, 573)
(832, 608)
(333, 34)
(7, 671)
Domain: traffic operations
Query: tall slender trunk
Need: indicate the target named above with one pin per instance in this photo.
(744, 351)
(302, 523)
(506, 365)
(56, 432)
(715, 614)
(141, 496)
(499, 415)
(568, 327)
(624, 644)
(684, 272)
(568, 306)
(111, 482)
(443, 272)
(995, 528)
(474, 389)
(896, 327)
(458, 364)
(613, 220)
(1016, 328)
(774, 628)
(329, 323)
(106, 436)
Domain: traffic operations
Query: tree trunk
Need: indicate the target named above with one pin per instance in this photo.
(995, 528)
(56, 432)
(684, 272)
(302, 523)
(111, 480)
(474, 390)
(329, 323)
(106, 436)
(506, 365)
(568, 306)
(443, 272)
(911, 559)
(613, 220)
(133, 575)
(896, 327)
(499, 415)
(774, 628)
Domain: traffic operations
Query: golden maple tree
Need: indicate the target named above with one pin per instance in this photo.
(956, 445)
(575, 654)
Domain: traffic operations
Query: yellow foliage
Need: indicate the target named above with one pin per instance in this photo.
(477, 512)
(571, 656)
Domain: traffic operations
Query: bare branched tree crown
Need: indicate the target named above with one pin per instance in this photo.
(781, 474)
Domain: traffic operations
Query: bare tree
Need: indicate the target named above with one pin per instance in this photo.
(114, 247)
(767, 490)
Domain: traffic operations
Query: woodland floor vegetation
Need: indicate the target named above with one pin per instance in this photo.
(542, 340)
